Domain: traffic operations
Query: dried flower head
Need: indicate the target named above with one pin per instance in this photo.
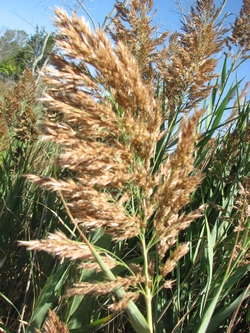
(242, 220)
(106, 148)
(175, 183)
(95, 288)
(17, 108)
(241, 28)
(122, 304)
(171, 262)
(189, 64)
(53, 324)
(139, 35)
(109, 127)
(60, 245)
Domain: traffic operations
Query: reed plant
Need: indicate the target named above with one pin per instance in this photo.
(26, 212)
(155, 148)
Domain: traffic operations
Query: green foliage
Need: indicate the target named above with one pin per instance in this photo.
(11, 41)
(8, 67)
(32, 54)
(37, 46)
(25, 212)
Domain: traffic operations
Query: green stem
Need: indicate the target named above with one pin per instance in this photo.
(136, 318)
(148, 294)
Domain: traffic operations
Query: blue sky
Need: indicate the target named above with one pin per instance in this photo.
(26, 14)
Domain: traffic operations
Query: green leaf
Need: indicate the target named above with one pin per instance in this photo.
(226, 312)
(204, 322)
(237, 276)
(48, 296)
(9, 301)
(136, 318)
(92, 326)
(223, 76)
(210, 255)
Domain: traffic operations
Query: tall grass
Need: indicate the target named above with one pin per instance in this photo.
(153, 175)
(26, 212)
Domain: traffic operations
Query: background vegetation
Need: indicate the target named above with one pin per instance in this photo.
(142, 172)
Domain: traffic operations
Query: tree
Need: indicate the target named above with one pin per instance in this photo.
(36, 51)
(32, 54)
(11, 41)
